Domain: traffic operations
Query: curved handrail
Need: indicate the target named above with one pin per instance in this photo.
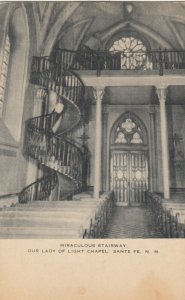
(49, 147)
(38, 190)
(65, 83)
(55, 152)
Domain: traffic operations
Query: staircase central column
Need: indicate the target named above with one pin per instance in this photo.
(162, 93)
(98, 94)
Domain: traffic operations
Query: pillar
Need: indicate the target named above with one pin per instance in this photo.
(105, 173)
(153, 150)
(98, 94)
(162, 93)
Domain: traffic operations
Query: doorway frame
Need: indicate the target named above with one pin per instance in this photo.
(129, 147)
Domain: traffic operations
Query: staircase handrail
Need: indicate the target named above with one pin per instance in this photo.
(51, 177)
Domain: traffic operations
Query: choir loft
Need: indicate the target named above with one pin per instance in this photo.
(92, 114)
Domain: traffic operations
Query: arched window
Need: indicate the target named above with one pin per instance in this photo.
(133, 52)
(4, 71)
(129, 130)
(128, 133)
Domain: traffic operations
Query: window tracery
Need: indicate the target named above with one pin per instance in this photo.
(133, 52)
(128, 132)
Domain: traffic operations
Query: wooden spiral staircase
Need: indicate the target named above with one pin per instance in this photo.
(47, 140)
(46, 136)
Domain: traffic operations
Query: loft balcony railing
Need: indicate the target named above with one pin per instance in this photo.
(121, 60)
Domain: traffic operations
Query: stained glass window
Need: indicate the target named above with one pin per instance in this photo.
(128, 132)
(136, 139)
(120, 138)
(133, 52)
(4, 71)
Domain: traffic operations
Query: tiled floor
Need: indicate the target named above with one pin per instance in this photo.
(132, 222)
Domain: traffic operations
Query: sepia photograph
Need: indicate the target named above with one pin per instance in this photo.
(92, 150)
(92, 114)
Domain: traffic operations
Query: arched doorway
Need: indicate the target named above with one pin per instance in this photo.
(129, 160)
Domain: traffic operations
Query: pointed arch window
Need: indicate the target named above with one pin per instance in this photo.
(128, 132)
(4, 71)
(133, 52)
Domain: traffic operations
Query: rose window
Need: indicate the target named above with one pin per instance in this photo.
(133, 52)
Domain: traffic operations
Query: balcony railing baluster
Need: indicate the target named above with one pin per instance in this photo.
(87, 59)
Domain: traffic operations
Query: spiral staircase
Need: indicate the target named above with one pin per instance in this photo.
(46, 136)
(50, 141)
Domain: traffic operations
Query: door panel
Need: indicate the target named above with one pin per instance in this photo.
(119, 175)
(129, 176)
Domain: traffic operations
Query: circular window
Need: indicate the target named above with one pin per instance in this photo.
(133, 52)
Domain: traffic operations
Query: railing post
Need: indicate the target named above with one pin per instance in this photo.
(160, 63)
(98, 63)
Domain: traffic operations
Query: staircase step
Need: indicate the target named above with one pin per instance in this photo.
(48, 219)
(8, 201)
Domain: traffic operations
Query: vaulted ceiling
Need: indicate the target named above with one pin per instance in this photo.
(77, 22)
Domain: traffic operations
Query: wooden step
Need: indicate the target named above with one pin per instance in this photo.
(8, 201)
(49, 219)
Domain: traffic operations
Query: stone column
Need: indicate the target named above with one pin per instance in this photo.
(104, 172)
(162, 93)
(153, 164)
(98, 94)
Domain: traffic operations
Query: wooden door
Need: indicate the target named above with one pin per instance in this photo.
(129, 176)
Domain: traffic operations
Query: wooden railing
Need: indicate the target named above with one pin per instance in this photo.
(39, 190)
(43, 123)
(54, 152)
(53, 76)
(87, 59)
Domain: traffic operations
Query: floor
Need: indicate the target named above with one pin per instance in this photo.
(132, 222)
